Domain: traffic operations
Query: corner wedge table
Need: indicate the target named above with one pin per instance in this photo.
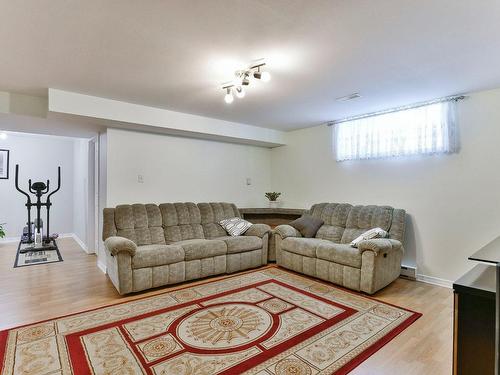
(271, 216)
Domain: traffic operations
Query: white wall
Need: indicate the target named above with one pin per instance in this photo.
(143, 118)
(83, 193)
(103, 182)
(453, 200)
(80, 187)
(38, 157)
(177, 169)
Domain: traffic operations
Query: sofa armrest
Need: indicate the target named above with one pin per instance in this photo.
(378, 245)
(286, 230)
(117, 244)
(258, 230)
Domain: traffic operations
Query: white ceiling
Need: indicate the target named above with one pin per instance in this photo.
(175, 54)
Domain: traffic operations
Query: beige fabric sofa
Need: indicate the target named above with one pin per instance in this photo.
(149, 245)
(329, 256)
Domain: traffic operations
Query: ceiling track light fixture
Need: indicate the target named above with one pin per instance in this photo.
(244, 78)
(240, 92)
(228, 98)
(264, 76)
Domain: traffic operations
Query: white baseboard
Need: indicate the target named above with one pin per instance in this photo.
(435, 281)
(9, 239)
(81, 243)
(17, 239)
(101, 266)
(62, 235)
(422, 278)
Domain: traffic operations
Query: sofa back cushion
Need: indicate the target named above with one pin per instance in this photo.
(140, 223)
(334, 216)
(398, 224)
(212, 213)
(181, 221)
(344, 222)
(362, 218)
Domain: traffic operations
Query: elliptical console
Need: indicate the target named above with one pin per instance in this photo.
(34, 234)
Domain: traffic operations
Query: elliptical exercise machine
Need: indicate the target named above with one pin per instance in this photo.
(33, 233)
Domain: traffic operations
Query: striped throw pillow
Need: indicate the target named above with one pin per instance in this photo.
(235, 226)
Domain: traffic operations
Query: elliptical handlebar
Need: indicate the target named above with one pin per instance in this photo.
(17, 185)
(58, 184)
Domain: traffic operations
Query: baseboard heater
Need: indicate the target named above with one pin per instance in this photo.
(408, 272)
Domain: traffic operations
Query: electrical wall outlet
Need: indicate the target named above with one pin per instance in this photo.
(140, 178)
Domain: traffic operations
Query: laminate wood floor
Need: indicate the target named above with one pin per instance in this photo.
(41, 292)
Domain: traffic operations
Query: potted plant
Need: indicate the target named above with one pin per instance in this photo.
(273, 198)
(2, 231)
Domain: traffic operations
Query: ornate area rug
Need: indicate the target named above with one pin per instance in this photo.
(267, 321)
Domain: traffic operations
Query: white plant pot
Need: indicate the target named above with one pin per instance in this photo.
(273, 204)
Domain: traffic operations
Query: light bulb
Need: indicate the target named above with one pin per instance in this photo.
(240, 93)
(3, 136)
(229, 97)
(265, 77)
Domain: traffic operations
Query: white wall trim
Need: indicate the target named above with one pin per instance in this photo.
(9, 239)
(101, 266)
(422, 278)
(17, 239)
(435, 281)
(62, 235)
(81, 243)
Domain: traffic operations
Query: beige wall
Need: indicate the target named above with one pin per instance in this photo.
(177, 169)
(453, 200)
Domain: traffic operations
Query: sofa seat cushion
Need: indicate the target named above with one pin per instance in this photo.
(302, 246)
(157, 255)
(201, 248)
(343, 254)
(241, 244)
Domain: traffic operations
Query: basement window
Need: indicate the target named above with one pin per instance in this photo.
(419, 130)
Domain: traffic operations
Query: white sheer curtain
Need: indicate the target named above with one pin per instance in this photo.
(429, 129)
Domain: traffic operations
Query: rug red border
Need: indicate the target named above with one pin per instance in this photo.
(342, 371)
(79, 360)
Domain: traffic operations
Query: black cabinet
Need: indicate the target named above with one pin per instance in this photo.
(474, 322)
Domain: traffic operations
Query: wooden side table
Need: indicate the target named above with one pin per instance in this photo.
(271, 216)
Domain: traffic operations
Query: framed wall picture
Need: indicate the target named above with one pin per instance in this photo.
(4, 164)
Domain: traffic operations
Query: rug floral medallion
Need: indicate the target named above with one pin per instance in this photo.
(268, 321)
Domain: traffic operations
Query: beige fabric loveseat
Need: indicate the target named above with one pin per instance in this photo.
(329, 256)
(149, 245)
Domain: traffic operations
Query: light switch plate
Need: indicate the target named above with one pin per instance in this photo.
(249, 181)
